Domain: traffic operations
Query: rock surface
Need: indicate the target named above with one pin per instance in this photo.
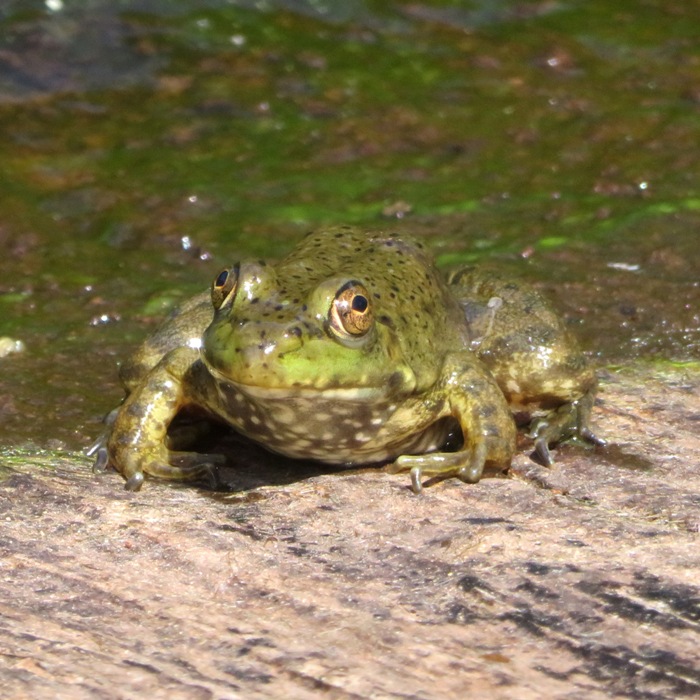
(580, 581)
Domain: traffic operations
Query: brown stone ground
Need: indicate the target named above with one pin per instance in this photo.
(579, 582)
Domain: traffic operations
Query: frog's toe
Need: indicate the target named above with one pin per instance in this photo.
(471, 473)
(101, 459)
(99, 447)
(466, 465)
(134, 482)
(589, 436)
(435, 464)
(186, 466)
(542, 451)
(416, 479)
(552, 430)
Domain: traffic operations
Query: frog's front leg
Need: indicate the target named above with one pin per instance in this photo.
(137, 442)
(476, 402)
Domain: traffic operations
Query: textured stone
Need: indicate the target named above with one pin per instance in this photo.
(580, 581)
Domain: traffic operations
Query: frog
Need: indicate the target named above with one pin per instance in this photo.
(354, 349)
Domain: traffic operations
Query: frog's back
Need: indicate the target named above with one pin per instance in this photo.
(522, 340)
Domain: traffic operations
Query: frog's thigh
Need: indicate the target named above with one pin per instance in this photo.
(136, 444)
(484, 418)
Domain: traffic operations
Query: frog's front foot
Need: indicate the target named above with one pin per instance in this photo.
(161, 463)
(566, 422)
(134, 452)
(204, 468)
(488, 429)
(466, 464)
(467, 467)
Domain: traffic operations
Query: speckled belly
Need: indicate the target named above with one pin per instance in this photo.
(329, 428)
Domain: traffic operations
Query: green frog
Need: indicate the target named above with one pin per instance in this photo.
(355, 350)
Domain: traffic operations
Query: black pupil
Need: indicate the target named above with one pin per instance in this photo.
(221, 279)
(359, 303)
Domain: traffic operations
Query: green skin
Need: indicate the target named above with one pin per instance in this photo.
(469, 358)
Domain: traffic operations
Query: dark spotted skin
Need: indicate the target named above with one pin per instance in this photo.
(354, 350)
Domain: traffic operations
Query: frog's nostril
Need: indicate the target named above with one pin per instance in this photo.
(263, 340)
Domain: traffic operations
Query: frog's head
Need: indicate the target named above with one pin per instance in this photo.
(301, 336)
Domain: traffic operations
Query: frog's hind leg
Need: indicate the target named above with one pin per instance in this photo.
(528, 349)
(568, 421)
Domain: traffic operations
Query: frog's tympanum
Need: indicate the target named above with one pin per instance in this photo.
(355, 350)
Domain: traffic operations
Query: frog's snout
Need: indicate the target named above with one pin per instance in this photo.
(261, 340)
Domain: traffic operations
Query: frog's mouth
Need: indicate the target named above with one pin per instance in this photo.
(362, 394)
(334, 393)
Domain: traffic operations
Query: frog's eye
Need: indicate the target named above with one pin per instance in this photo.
(224, 286)
(351, 311)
